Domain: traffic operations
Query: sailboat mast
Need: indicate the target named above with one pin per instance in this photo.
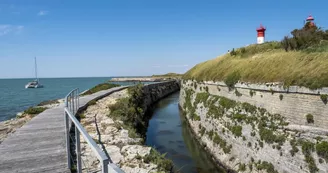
(36, 72)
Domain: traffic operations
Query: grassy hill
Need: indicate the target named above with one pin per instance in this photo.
(269, 62)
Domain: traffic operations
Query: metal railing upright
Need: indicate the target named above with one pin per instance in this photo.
(71, 123)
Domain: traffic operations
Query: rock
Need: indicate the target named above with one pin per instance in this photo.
(131, 151)
(114, 153)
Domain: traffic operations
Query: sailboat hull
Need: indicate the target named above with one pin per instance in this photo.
(33, 85)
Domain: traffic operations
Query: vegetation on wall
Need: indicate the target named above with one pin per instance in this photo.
(309, 118)
(266, 127)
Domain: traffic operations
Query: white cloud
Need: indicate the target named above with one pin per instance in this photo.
(43, 13)
(156, 66)
(6, 29)
(186, 65)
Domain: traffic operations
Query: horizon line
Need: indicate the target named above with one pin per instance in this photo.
(75, 77)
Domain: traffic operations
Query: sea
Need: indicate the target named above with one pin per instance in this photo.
(14, 98)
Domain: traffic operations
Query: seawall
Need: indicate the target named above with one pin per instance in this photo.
(258, 127)
(155, 92)
(120, 140)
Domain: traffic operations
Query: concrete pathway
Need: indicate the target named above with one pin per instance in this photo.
(39, 145)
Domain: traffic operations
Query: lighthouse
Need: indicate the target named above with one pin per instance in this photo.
(260, 34)
(310, 20)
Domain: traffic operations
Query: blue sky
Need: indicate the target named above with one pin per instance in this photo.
(80, 38)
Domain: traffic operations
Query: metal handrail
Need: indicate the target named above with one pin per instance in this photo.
(70, 110)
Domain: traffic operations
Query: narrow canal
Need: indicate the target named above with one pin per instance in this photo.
(169, 133)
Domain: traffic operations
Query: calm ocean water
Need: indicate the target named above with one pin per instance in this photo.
(15, 98)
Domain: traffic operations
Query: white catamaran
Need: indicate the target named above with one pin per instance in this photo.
(36, 82)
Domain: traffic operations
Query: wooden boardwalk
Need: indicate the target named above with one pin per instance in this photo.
(39, 145)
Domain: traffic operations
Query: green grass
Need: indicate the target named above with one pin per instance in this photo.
(100, 87)
(266, 63)
(34, 110)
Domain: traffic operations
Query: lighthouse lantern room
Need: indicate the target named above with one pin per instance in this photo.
(260, 34)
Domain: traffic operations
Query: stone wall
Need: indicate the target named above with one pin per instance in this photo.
(296, 102)
(155, 92)
(252, 150)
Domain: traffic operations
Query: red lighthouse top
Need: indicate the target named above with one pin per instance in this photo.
(260, 29)
(310, 18)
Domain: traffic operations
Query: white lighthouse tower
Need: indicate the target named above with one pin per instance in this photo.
(260, 34)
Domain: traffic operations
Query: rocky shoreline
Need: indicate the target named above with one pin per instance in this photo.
(9, 126)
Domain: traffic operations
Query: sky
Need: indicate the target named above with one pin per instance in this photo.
(83, 38)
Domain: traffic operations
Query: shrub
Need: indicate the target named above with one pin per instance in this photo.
(130, 109)
(206, 88)
(324, 98)
(236, 130)
(231, 158)
(227, 103)
(82, 116)
(238, 94)
(268, 136)
(281, 96)
(267, 166)
(92, 102)
(231, 79)
(100, 87)
(251, 93)
(322, 149)
(159, 159)
(249, 144)
(210, 134)
(242, 50)
(261, 144)
(239, 117)
(307, 149)
(233, 52)
(304, 38)
(202, 131)
(253, 133)
(309, 118)
(242, 167)
(34, 110)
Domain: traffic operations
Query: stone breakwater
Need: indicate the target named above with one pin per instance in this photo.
(135, 79)
(249, 129)
(123, 147)
(9, 126)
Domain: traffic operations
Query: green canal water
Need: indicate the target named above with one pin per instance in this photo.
(169, 133)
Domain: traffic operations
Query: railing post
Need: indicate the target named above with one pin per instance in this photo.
(105, 166)
(67, 138)
(78, 151)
